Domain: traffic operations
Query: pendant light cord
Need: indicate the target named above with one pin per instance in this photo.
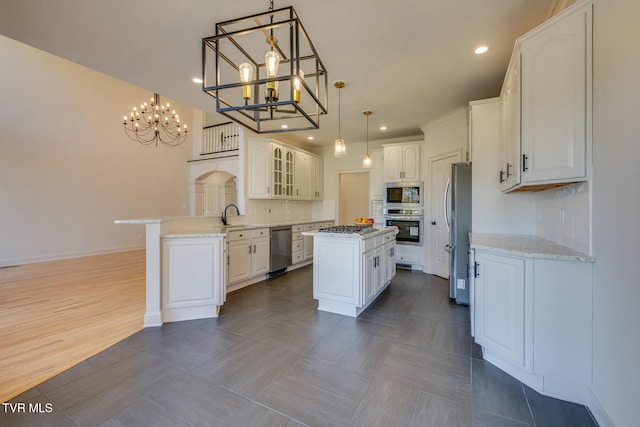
(339, 132)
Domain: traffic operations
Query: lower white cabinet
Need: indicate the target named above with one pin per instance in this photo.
(193, 284)
(500, 305)
(532, 315)
(247, 254)
(350, 271)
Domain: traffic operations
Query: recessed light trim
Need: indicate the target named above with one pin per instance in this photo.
(383, 128)
(197, 80)
(481, 49)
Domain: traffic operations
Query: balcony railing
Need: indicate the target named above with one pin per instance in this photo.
(220, 138)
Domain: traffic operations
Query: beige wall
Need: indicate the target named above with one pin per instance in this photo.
(67, 170)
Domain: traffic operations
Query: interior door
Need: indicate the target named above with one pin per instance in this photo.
(439, 212)
(353, 196)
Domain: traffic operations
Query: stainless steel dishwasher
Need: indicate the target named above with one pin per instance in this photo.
(280, 249)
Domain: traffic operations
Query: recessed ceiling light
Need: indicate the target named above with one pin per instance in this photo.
(196, 80)
(310, 138)
(481, 49)
(383, 128)
(284, 126)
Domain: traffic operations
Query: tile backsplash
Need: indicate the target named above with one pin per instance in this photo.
(563, 215)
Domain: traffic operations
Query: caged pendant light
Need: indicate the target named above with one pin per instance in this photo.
(366, 162)
(340, 149)
(264, 72)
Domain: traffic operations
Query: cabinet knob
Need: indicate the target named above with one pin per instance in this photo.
(433, 223)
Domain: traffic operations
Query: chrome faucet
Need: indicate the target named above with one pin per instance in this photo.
(224, 212)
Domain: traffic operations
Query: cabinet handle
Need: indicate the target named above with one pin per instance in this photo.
(249, 248)
(501, 176)
(508, 173)
(476, 270)
(254, 249)
(524, 163)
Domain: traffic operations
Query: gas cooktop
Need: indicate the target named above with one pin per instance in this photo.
(348, 229)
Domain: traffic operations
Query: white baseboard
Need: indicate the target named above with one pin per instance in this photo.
(67, 255)
(598, 412)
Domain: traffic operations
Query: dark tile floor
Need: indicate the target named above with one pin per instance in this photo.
(272, 359)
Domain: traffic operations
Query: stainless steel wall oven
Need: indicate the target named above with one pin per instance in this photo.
(409, 223)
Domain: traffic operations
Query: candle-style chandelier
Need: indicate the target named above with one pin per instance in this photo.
(155, 123)
(265, 73)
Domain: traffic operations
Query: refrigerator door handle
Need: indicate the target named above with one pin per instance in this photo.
(445, 203)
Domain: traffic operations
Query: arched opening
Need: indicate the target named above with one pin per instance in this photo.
(215, 190)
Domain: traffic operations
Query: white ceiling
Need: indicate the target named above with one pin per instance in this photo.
(410, 61)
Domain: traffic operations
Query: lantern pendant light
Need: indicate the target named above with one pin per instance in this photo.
(366, 162)
(340, 149)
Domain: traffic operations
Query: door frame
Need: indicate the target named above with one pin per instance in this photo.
(429, 237)
(337, 213)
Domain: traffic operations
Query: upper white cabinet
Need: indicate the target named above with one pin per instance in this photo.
(549, 80)
(259, 170)
(301, 175)
(402, 162)
(277, 171)
(509, 175)
(376, 175)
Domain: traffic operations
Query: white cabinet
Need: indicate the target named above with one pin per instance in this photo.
(389, 258)
(259, 169)
(499, 304)
(193, 285)
(297, 244)
(402, 162)
(316, 178)
(532, 312)
(282, 172)
(277, 171)
(301, 175)
(349, 270)
(547, 104)
(509, 175)
(247, 254)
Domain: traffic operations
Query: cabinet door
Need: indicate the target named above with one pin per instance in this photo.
(312, 192)
(555, 89)
(301, 175)
(392, 164)
(389, 261)
(509, 175)
(239, 260)
(277, 177)
(379, 270)
(260, 256)
(411, 162)
(259, 161)
(499, 304)
(369, 268)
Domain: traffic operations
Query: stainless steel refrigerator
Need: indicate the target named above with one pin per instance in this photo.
(459, 228)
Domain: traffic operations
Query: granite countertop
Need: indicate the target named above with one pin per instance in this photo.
(527, 245)
(190, 227)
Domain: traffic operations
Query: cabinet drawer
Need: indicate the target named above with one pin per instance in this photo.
(309, 227)
(238, 235)
(297, 228)
(369, 244)
(296, 236)
(297, 257)
(260, 232)
(297, 245)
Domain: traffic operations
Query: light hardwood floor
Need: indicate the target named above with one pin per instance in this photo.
(56, 314)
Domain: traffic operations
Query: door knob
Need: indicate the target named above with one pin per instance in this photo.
(433, 223)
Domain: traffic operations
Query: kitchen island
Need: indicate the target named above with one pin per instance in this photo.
(186, 272)
(351, 267)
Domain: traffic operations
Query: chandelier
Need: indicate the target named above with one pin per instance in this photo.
(155, 123)
(265, 73)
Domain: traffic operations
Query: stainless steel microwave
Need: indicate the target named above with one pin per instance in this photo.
(403, 194)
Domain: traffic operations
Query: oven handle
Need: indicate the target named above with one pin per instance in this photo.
(404, 217)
